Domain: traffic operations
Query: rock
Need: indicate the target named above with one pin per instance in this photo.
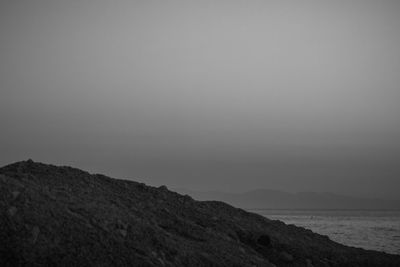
(15, 194)
(123, 232)
(284, 256)
(324, 263)
(264, 240)
(12, 211)
(35, 234)
(161, 261)
(309, 263)
(163, 187)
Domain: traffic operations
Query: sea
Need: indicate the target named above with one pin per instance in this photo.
(370, 229)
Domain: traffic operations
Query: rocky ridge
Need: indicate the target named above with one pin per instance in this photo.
(61, 216)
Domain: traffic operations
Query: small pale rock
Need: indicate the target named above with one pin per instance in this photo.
(12, 211)
(123, 232)
(165, 209)
(161, 261)
(35, 233)
(15, 194)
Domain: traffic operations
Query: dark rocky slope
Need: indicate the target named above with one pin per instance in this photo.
(67, 217)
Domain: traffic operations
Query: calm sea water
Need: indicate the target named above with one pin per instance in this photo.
(376, 230)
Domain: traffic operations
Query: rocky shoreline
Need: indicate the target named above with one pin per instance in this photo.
(61, 216)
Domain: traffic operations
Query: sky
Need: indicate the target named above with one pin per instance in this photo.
(206, 95)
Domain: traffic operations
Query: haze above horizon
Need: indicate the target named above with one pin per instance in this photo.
(206, 95)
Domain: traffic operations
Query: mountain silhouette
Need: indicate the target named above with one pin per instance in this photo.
(273, 199)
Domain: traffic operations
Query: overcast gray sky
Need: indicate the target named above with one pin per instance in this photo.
(227, 95)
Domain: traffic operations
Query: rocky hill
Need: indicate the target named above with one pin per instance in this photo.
(61, 216)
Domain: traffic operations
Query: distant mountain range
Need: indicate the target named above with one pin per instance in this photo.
(272, 199)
